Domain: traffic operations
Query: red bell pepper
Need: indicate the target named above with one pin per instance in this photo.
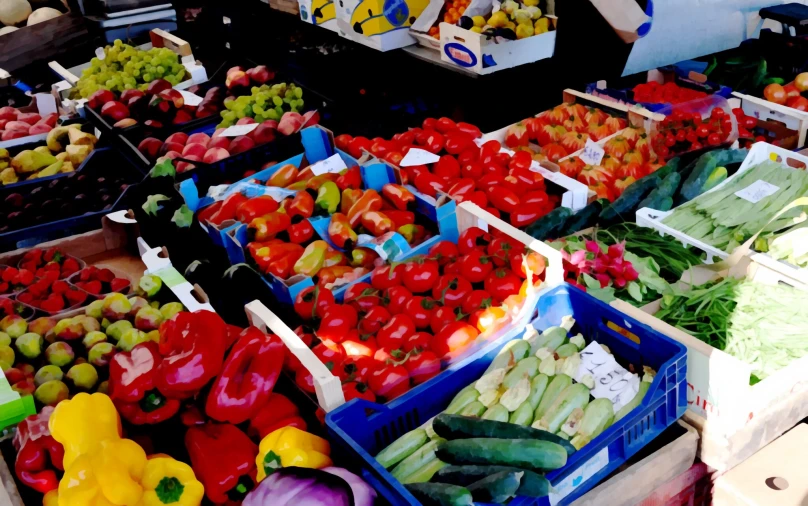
(223, 459)
(276, 413)
(39, 456)
(247, 378)
(192, 346)
(153, 408)
(227, 211)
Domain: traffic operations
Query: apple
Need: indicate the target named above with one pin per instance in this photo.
(311, 118)
(240, 144)
(182, 116)
(13, 134)
(3, 124)
(234, 69)
(290, 123)
(30, 117)
(19, 126)
(237, 78)
(245, 121)
(153, 123)
(157, 86)
(186, 166)
(199, 138)
(265, 132)
(215, 154)
(160, 107)
(260, 74)
(174, 96)
(99, 98)
(125, 123)
(127, 95)
(138, 106)
(50, 119)
(150, 147)
(171, 146)
(220, 142)
(115, 110)
(8, 113)
(178, 137)
(197, 150)
(170, 156)
(39, 128)
(218, 132)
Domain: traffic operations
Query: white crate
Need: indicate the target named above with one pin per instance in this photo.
(762, 109)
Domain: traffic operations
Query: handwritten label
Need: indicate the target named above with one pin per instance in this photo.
(237, 130)
(757, 191)
(45, 104)
(191, 99)
(385, 245)
(332, 164)
(612, 381)
(578, 477)
(417, 156)
(593, 153)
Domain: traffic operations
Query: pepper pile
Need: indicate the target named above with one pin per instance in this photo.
(668, 93)
(396, 331)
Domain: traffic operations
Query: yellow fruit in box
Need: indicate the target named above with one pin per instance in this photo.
(509, 6)
(531, 3)
(511, 25)
(535, 12)
(541, 26)
(478, 21)
(498, 19)
(476, 29)
(524, 31)
(522, 16)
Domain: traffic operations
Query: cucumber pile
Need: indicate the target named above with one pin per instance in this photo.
(499, 435)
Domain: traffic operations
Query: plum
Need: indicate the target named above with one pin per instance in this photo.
(51, 393)
(83, 376)
(116, 330)
(47, 373)
(101, 353)
(29, 344)
(116, 306)
(24, 387)
(137, 303)
(69, 328)
(42, 325)
(5, 339)
(14, 325)
(6, 358)
(92, 338)
(103, 387)
(59, 354)
(169, 309)
(148, 319)
(131, 338)
(94, 309)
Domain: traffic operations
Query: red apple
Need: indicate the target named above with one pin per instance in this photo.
(220, 142)
(173, 96)
(157, 86)
(29, 117)
(197, 150)
(311, 118)
(8, 113)
(115, 111)
(290, 123)
(265, 132)
(260, 74)
(240, 144)
(182, 116)
(50, 119)
(128, 95)
(99, 98)
(125, 123)
(185, 166)
(218, 132)
(199, 138)
(171, 146)
(12, 134)
(245, 121)
(170, 155)
(18, 126)
(150, 147)
(237, 78)
(161, 108)
(234, 69)
(215, 154)
(39, 128)
(153, 123)
(178, 137)
(3, 124)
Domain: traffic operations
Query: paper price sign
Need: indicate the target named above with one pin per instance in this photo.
(385, 245)
(612, 381)
(332, 164)
(191, 99)
(593, 153)
(757, 191)
(417, 156)
(237, 130)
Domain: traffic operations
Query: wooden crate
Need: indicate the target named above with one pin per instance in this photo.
(288, 6)
(42, 41)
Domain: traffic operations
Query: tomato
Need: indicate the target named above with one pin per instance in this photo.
(528, 180)
(714, 139)
(451, 290)
(798, 103)
(535, 262)
(592, 174)
(445, 124)
(717, 113)
(472, 170)
(447, 167)
(634, 170)
(444, 252)
(434, 142)
(452, 268)
(520, 160)
(535, 197)
(430, 184)
(749, 122)
(396, 298)
(453, 338)
(357, 145)
(381, 148)
(330, 355)
(362, 296)
(775, 93)
(469, 130)
(394, 157)
(554, 152)
(488, 317)
(407, 138)
(503, 199)
(359, 345)
(422, 366)
(386, 276)
(337, 320)
(393, 335)
(478, 299)
(501, 247)
(421, 275)
(357, 390)
(356, 368)
(443, 316)
(374, 319)
(420, 309)
(475, 266)
(473, 238)
(343, 141)
(502, 282)
(311, 297)
(419, 340)
(430, 124)
(801, 81)
(468, 155)
(305, 380)
(390, 381)
(477, 198)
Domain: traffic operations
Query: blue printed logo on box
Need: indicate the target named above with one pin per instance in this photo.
(460, 54)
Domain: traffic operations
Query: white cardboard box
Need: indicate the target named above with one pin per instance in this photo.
(319, 12)
(380, 24)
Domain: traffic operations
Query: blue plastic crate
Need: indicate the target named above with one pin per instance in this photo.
(362, 435)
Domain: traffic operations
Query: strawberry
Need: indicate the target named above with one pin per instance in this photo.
(4, 287)
(53, 255)
(94, 287)
(25, 277)
(29, 265)
(70, 265)
(25, 297)
(50, 276)
(105, 275)
(86, 274)
(9, 274)
(118, 284)
(53, 303)
(75, 297)
(59, 286)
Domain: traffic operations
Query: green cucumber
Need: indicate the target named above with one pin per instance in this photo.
(497, 488)
(634, 402)
(425, 473)
(463, 399)
(497, 412)
(462, 427)
(537, 387)
(584, 218)
(554, 389)
(536, 455)
(510, 354)
(523, 415)
(525, 367)
(566, 350)
(699, 181)
(417, 460)
(475, 409)
(598, 416)
(440, 494)
(532, 484)
(574, 396)
(662, 196)
(402, 448)
(623, 208)
(550, 225)
(670, 167)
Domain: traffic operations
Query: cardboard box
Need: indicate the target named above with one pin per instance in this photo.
(380, 24)
(318, 12)
(776, 475)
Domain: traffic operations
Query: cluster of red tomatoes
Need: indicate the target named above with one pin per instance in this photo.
(668, 93)
(746, 127)
(681, 132)
(396, 331)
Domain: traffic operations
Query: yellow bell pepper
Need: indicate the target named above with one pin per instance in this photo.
(290, 446)
(168, 481)
(108, 476)
(82, 423)
(51, 498)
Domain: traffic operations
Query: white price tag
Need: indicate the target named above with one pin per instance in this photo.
(45, 104)
(417, 156)
(191, 99)
(757, 191)
(612, 381)
(332, 164)
(237, 130)
(593, 153)
(99, 53)
(217, 192)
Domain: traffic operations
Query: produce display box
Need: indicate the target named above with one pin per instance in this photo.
(48, 39)
(38, 105)
(317, 12)
(97, 164)
(328, 386)
(622, 91)
(362, 428)
(792, 119)
(379, 24)
(671, 454)
(159, 38)
(734, 419)
(691, 488)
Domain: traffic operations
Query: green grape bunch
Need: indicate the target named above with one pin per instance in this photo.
(126, 67)
(264, 102)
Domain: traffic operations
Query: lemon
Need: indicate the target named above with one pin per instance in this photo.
(541, 26)
(498, 19)
(524, 31)
(534, 11)
(477, 29)
(530, 3)
(478, 21)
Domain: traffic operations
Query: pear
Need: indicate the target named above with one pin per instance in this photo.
(77, 154)
(28, 161)
(79, 138)
(57, 139)
(67, 167)
(51, 169)
(8, 176)
(43, 149)
(62, 156)
(4, 154)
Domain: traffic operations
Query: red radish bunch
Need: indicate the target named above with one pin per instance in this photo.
(15, 124)
(609, 267)
(52, 295)
(14, 280)
(44, 261)
(100, 281)
(396, 331)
